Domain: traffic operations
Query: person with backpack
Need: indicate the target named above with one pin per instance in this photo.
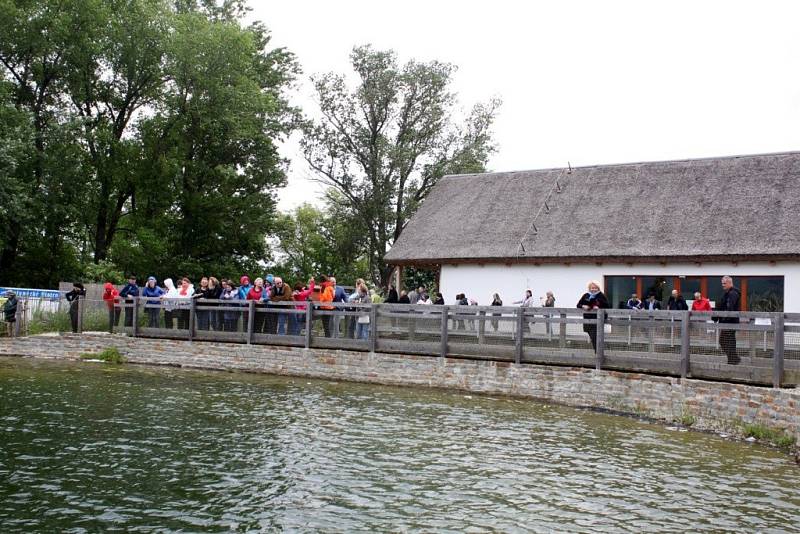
(73, 297)
(10, 312)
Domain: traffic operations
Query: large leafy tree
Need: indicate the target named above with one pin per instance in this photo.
(137, 132)
(384, 143)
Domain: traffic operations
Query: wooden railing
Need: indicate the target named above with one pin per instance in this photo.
(672, 343)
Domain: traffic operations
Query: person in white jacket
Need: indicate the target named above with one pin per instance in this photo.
(169, 301)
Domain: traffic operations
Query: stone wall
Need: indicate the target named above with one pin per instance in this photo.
(709, 405)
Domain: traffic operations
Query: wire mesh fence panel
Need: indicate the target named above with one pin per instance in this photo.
(486, 332)
(220, 321)
(556, 336)
(410, 329)
(729, 346)
(647, 341)
(341, 326)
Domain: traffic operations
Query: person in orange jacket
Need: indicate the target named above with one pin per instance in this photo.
(328, 291)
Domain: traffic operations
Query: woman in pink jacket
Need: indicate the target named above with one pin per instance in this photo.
(300, 294)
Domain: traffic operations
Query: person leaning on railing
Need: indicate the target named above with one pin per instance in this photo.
(153, 293)
(78, 292)
(128, 293)
(229, 317)
(111, 298)
(300, 295)
(593, 299)
(281, 293)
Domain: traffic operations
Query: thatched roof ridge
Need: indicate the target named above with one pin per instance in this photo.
(732, 207)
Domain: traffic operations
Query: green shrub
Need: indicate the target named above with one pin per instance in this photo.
(110, 355)
(774, 436)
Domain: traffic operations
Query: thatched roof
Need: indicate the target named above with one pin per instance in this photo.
(718, 208)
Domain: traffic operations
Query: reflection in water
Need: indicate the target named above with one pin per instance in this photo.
(88, 447)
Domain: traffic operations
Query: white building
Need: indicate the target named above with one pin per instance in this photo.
(637, 228)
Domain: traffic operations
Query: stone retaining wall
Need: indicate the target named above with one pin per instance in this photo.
(710, 405)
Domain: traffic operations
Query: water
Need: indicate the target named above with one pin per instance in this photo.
(89, 447)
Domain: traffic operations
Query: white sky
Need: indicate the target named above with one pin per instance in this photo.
(581, 81)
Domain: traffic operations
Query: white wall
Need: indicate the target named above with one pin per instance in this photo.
(568, 282)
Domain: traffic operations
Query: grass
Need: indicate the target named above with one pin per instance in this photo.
(110, 355)
(686, 419)
(776, 437)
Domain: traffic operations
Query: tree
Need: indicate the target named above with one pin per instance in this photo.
(312, 241)
(385, 143)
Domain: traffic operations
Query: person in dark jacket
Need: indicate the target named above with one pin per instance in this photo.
(392, 297)
(202, 317)
(676, 302)
(439, 300)
(496, 301)
(593, 299)
(634, 303)
(152, 305)
(128, 292)
(73, 297)
(214, 293)
(730, 301)
(651, 303)
(10, 312)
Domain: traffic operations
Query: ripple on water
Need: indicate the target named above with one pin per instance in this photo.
(156, 449)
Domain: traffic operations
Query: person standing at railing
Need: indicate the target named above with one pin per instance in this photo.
(326, 297)
(496, 301)
(128, 293)
(548, 301)
(111, 298)
(652, 304)
(300, 295)
(439, 300)
(202, 316)
(185, 292)
(729, 302)
(701, 303)
(361, 296)
(634, 303)
(594, 299)
(244, 288)
(213, 293)
(153, 293)
(339, 295)
(170, 297)
(281, 293)
(676, 302)
(257, 293)
(527, 302)
(73, 297)
(10, 312)
(229, 317)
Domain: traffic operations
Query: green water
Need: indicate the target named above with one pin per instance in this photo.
(90, 447)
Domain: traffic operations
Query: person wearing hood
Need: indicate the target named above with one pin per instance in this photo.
(170, 297)
(152, 305)
(10, 312)
(128, 293)
(185, 292)
(73, 297)
(594, 299)
(111, 298)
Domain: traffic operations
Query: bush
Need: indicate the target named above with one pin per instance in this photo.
(110, 355)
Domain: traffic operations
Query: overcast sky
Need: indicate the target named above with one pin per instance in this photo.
(581, 82)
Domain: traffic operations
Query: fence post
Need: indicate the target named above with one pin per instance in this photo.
(373, 327)
(445, 320)
(251, 317)
(18, 317)
(481, 327)
(601, 338)
(309, 323)
(80, 314)
(192, 317)
(777, 354)
(520, 332)
(562, 331)
(685, 343)
(112, 315)
(412, 325)
(135, 316)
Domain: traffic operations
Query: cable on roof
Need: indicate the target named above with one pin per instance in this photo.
(545, 207)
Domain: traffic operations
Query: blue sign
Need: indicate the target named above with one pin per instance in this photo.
(44, 294)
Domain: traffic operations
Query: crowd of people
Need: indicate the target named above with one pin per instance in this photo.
(270, 290)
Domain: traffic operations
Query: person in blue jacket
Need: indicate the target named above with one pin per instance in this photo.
(128, 292)
(153, 304)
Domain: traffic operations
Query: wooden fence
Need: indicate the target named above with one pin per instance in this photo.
(673, 343)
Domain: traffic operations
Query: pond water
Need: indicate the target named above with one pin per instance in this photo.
(91, 447)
